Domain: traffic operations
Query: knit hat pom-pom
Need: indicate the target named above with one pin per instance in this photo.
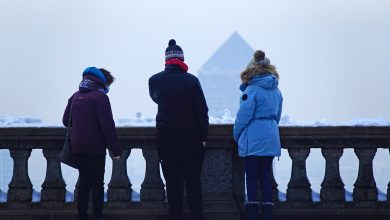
(172, 42)
(259, 55)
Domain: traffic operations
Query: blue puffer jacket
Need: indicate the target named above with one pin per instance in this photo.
(256, 126)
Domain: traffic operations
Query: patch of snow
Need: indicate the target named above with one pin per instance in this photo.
(135, 196)
(20, 122)
(381, 196)
(3, 197)
(135, 122)
(225, 119)
(379, 121)
(36, 196)
(282, 196)
(315, 196)
(348, 196)
(69, 197)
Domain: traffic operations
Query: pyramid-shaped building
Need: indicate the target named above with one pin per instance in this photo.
(220, 75)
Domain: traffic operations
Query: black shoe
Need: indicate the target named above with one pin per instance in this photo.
(252, 211)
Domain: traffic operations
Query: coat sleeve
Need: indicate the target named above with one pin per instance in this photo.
(279, 111)
(244, 114)
(108, 125)
(152, 93)
(65, 117)
(201, 110)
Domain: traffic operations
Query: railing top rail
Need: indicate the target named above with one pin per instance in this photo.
(220, 130)
(292, 137)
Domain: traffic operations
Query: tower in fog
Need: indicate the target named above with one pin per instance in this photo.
(220, 75)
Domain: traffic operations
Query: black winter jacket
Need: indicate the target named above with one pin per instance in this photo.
(181, 102)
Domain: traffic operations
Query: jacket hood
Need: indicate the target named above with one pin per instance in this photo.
(266, 81)
(90, 83)
(258, 70)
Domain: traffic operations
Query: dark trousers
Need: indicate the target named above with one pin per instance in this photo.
(258, 168)
(91, 178)
(181, 155)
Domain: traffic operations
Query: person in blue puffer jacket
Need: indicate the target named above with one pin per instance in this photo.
(256, 130)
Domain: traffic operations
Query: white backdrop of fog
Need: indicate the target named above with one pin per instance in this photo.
(333, 56)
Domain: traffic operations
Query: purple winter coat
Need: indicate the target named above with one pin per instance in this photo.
(93, 127)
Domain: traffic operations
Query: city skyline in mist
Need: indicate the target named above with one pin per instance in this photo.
(332, 56)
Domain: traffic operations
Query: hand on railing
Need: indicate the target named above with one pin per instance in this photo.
(116, 158)
(112, 156)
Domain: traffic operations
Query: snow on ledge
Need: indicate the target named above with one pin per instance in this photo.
(379, 121)
(6, 121)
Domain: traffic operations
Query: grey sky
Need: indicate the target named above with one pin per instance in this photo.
(333, 56)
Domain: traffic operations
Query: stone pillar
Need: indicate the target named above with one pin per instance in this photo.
(53, 188)
(20, 187)
(365, 186)
(298, 188)
(332, 187)
(152, 188)
(217, 175)
(119, 188)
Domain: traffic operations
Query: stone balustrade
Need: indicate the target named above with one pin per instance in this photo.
(222, 176)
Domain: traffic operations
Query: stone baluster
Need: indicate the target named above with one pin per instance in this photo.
(365, 186)
(388, 190)
(119, 188)
(332, 187)
(152, 188)
(299, 186)
(76, 189)
(20, 187)
(238, 177)
(53, 188)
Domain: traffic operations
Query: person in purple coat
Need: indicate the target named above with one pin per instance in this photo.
(93, 130)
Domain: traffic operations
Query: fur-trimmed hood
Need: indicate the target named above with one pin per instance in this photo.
(257, 70)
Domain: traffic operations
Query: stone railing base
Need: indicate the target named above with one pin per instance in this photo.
(213, 211)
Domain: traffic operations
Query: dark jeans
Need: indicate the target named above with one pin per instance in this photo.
(258, 168)
(181, 156)
(91, 178)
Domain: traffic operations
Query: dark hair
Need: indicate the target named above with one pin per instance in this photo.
(110, 78)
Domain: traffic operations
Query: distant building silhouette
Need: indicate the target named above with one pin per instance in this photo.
(220, 75)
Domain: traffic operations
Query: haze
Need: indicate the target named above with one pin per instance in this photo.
(333, 56)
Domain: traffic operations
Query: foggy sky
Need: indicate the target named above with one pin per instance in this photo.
(333, 56)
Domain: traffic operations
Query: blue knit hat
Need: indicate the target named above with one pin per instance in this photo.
(96, 72)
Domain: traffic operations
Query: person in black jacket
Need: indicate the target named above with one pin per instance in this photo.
(182, 127)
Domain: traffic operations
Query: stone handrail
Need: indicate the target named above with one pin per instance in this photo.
(222, 176)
